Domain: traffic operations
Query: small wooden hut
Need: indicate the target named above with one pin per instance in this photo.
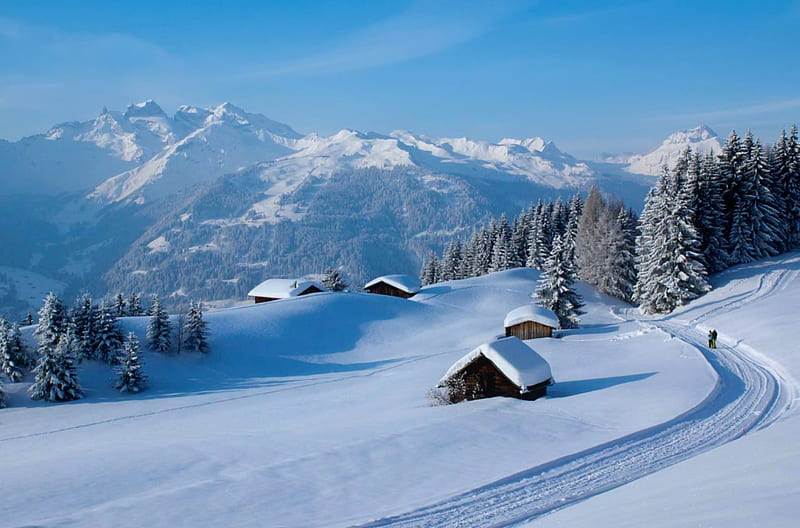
(530, 322)
(404, 286)
(275, 289)
(506, 367)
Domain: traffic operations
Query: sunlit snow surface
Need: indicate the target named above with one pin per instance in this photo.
(312, 411)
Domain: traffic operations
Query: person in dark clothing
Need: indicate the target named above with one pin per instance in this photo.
(713, 339)
(710, 339)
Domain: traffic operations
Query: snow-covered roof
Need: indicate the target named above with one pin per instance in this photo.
(531, 312)
(406, 283)
(516, 360)
(283, 288)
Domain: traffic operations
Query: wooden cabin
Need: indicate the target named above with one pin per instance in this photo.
(531, 322)
(404, 286)
(505, 367)
(276, 289)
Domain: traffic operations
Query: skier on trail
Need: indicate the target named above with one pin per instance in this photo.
(710, 339)
(713, 339)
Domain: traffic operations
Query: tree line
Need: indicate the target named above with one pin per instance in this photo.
(91, 332)
(710, 212)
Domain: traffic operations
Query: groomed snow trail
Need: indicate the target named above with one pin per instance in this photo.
(750, 395)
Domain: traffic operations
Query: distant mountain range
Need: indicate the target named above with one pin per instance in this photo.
(209, 201)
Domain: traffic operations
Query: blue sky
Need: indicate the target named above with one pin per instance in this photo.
(592, 76)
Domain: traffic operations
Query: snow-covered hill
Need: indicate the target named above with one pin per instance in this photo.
(320, 401)
(701, 139)
(312, 412)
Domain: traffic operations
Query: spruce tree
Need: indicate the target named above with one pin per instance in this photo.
(590, 252)
(108, 334)
(195, 330)
(83, 316)
(120, 307)
(711, 215)
(669, 270)
(767, 238)
(159, 328)
(134, 304)
(3, 399)
(55, 378)
(53, 321)
(334, 281)
(11, 357)
(130, 377)
(555, 287)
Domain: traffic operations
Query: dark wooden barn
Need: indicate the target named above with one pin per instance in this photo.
(506, 367)
(404, 286)
(275, 289)
(531, 322)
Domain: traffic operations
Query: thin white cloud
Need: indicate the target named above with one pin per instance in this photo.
(426, 28)
(754, 109)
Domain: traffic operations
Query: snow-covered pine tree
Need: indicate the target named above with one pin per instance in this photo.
(519, 242)
(3, 398)
(55, 378)
(120, 307)
(431, 270)
(502, 252)
(620, 267)
(130, 376)
(451, 261)
(574, 212)
(555, 287)
(108, 334)
(558, 219)
(11, 360)
(467, 261)
(83, 317)
(53, 320)
(159, 328)
(134, 304)
(669, 271)
(767, 239)
(334, 280)
(711, 213)
(195, 330)
(792, 188)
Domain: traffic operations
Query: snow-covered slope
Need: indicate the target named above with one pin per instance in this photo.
(312, 412)
(754, 481)
(701, 139)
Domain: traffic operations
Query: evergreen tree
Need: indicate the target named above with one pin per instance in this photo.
(451, 261)
(334, 281)
(53, 321)
(555, 287)
(711, 214)
(3, 399)
(195, 330)
(159, 329)
(791, 188)
(108, 334)
(134, 304)
(502, 252)
(620, 267)
(55, 378)
(519, 242)
(120, 307)
(669, 271)
(431, 270)
(83, 317)
(11, 357)
(130, 377)
(767, 239)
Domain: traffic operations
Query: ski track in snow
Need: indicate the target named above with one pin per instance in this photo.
(750, 395)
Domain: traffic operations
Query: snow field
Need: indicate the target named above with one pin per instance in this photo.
(312, 412)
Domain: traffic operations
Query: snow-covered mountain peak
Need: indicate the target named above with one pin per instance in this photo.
(701, 139)
(145, 109)
(692, 135)
(532, 144)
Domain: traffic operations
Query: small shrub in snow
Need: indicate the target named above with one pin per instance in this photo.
(130, 377)
(454, 391)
